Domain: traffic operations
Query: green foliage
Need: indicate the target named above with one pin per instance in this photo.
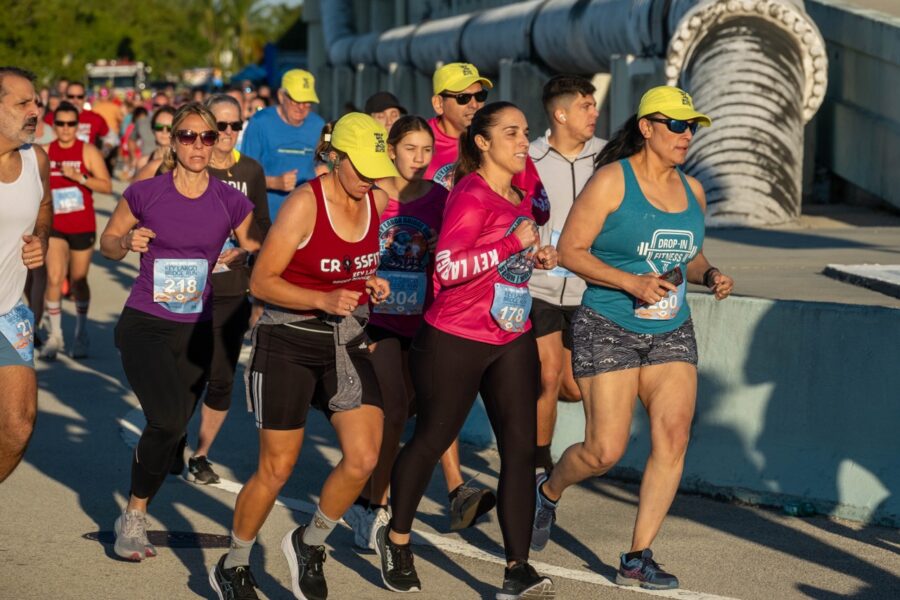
(56, 38)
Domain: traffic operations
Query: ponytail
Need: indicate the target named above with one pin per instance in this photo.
(627, 141)
(469, 154)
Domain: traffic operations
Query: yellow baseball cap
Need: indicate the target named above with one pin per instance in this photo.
(672, 102)
(300, 85)
(455, 77)
(365, 142)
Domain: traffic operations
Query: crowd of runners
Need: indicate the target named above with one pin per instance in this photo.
(386, 266)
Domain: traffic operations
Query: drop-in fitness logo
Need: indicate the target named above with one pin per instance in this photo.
(518, 267)
(465, 70)
(306, 83)
(667, 248)
(686, 99)
(379, 142)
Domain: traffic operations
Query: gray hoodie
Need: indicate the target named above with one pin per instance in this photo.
(563, 180)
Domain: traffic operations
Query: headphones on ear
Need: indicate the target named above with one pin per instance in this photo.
(561, 117)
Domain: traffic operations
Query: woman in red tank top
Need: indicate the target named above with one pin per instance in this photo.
(316, 273)
(76, 171)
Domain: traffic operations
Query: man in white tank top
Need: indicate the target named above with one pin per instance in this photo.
(25, 217)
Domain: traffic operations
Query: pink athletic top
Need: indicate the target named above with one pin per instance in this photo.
(443, 162)
(481, 269)
(406, 260)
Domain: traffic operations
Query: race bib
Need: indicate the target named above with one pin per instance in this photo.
(18, 328)
(667, 308)
(67, 200)
(230, 243)
(407, 293)
(511, 307)
(558, 271)
(178, 284)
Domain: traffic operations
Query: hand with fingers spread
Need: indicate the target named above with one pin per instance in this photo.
(339, 302)
(137, 240)
(650, 288)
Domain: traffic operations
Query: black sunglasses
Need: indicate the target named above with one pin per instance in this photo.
(66, 123)
(463, 99)
(161, 127)
(74, 97)
(187, 137)
(235, 125)
(677, 125)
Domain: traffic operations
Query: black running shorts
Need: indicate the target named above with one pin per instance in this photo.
(294, 369)
(601, 346)
(547, 318)
(76, 241)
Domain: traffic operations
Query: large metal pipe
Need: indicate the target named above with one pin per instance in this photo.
(758, 67)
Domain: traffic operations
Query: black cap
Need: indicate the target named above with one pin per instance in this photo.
(381, 101)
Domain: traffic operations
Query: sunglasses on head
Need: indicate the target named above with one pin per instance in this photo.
(677, 125)
(161, 127)
(235, 125)
(187, 137)
(65, 123)
(75, 97)
(465, 98)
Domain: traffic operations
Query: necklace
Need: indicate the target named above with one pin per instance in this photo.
(228, 163)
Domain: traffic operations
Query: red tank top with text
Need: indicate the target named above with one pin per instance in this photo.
(326, 261)
(73, 203)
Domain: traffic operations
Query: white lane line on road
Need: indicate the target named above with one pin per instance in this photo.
(132, 424)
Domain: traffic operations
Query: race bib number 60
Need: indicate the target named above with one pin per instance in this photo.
(178, 284)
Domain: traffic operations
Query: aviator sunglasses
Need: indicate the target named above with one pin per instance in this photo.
(224, 125)
(187, 137)
(463, 99)
(677, 125)
(65, 123)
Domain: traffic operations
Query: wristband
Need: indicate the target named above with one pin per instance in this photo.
(707, 274)
(84, 179)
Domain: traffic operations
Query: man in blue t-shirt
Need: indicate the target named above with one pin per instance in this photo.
(283, 138)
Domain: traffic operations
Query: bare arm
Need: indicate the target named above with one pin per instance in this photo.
(120, 236)
(293, 225)
(699, 270)
(148, 171)
(35, 247)
(99, 179)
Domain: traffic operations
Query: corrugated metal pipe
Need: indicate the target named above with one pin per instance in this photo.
(757, 67)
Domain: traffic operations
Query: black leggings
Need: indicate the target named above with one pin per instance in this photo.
(231, 318)
(388, 360)
(167, 365)
(448, 372)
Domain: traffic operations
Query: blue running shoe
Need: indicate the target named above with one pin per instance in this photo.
(645, 572)
(544, 517)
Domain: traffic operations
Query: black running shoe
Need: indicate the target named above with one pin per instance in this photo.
(232, 584)
(177, 466)
(397, 569)
(305, 563)
(200, 471)
(522, 582)
(470, 503)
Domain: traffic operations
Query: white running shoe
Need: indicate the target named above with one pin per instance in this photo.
(380, 517)
(51, 347)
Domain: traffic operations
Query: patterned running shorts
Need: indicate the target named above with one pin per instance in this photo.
(601, 346)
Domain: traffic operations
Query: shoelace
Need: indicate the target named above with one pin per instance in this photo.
(134, 526)
(243, 579)
(316, 559)
(403, 559)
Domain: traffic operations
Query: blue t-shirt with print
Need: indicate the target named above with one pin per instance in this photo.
(280, 147)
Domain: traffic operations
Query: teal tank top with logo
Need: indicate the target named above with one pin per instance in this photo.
(640, 238)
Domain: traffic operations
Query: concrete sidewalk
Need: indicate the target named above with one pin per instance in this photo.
(58, 508)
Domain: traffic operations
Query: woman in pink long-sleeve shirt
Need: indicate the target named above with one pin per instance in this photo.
(476, 339)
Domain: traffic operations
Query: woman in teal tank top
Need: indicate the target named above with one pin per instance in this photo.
(635, 235)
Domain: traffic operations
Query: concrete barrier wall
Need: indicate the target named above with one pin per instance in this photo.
(858, 126)
(797, 400)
